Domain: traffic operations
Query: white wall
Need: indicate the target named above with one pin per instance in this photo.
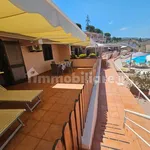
(91, 116)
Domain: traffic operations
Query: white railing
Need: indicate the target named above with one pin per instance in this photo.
(135, 113)
(140, 92)
(130, 120)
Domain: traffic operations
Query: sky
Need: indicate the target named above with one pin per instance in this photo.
(121, 18)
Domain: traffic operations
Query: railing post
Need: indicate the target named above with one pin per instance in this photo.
(124, 120)
(139, 95)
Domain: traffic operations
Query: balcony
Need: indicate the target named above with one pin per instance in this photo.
(87, 118)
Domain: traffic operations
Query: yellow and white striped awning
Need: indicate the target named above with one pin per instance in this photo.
(40, 19)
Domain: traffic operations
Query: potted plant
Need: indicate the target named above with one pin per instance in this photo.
(142, 81)
(73, 56)
(82, 56)
(92, 55)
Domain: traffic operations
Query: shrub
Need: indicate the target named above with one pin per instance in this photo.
(82, 56)
(97, 54)
(142, 81)
(92, 55)
(74, 56)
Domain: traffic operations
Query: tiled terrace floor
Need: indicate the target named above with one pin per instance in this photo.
(44, 125)
(113, 99)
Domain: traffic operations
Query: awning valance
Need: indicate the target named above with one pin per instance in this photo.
(84, 43)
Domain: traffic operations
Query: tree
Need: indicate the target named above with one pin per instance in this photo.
(114, 39)
(79, 25)
(98, 31)
(140, 40)
(90, 28)
(87, 21)
(120, 39)
(108, 37)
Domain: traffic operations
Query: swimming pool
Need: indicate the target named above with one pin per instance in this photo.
(139, 59)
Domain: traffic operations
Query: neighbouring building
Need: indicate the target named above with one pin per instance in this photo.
(96, 37)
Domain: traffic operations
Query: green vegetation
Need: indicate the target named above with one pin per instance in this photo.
(98, 31)
(79, 25)
(92, 55)
(108, 37)
(74, 56)
(82, 56)
(91, 28)
(142, 81)
(115, 39)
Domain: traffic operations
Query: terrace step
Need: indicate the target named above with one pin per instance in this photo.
(114, 145)
(117, 143)
(114, 130)
(111, 144)
(111, 124)
(120, 138)
(113, 137)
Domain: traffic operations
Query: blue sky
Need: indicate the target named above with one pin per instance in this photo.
(124, 18)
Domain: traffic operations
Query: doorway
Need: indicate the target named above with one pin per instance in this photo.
(12, 63)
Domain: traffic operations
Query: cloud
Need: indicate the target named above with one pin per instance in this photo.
(110, 22)
(124, 28)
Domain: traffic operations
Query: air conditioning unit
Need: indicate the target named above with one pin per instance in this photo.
(35, 48)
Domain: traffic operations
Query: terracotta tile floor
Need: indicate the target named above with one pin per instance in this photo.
(113, 99)
(44, 125)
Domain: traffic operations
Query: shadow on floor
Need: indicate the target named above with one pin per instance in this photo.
(101, 117)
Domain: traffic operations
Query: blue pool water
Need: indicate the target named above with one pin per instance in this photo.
(139, 59)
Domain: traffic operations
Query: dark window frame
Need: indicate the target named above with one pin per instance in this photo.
(47, 52)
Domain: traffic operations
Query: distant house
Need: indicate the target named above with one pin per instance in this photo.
(96, 37)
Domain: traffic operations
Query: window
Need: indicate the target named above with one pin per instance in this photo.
(47, 52)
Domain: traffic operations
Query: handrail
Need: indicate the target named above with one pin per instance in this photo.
(137, 125)
(140, 115)
(136, 113)
(133, 84)
(138, 135)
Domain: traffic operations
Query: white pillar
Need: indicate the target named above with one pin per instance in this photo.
(70, 49)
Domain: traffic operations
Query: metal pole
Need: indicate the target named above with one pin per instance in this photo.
(124, 120)
(130, 61)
